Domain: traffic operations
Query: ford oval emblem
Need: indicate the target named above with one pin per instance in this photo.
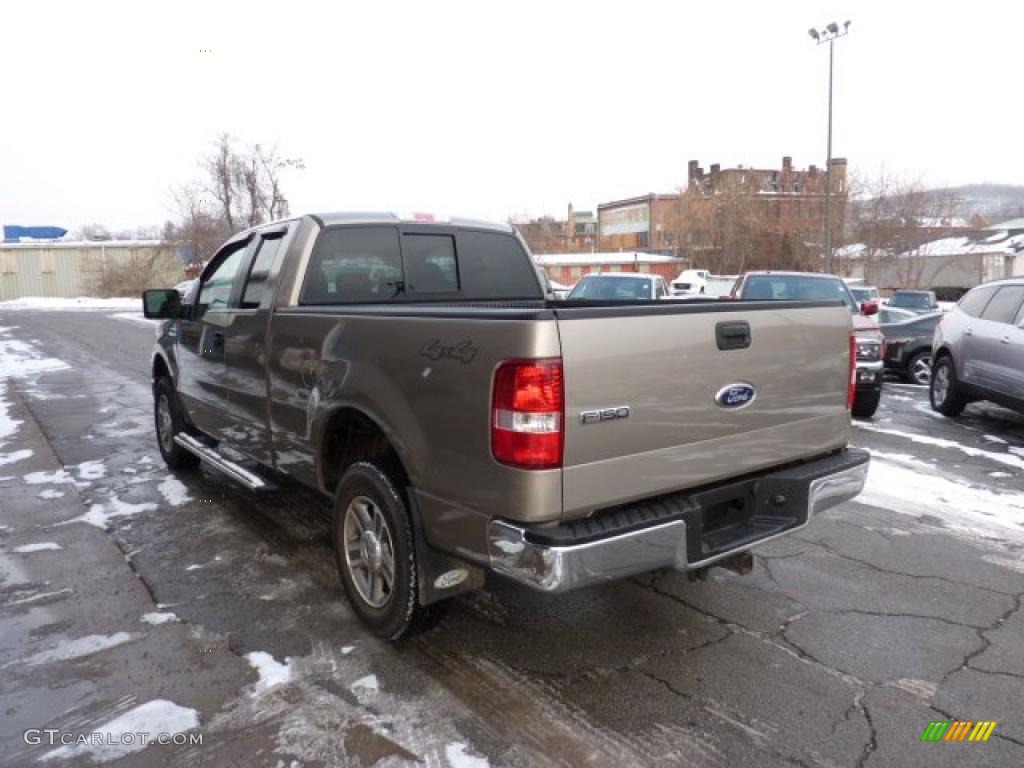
(737, 395)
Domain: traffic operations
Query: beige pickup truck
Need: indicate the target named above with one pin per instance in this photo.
(414, 371)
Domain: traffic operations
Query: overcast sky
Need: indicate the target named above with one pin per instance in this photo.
(490, 108)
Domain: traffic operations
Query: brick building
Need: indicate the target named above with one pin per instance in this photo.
(783, 209)
(790, 200)
(644, 223)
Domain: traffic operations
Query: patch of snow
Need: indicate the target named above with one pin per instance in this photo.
(368, 683)
(1016, 451)
(11, 458)
(119, 737)
(18, 359)
(457, 757)
(1014, 461)
(271, 671)
(993, 439)
(101, 514)
(91, 470)
(193, 567)
(80, 647)
(41, 596)
(1005, 562)
(999, 474)
(43, 546)
(347, 649)
(174, 491)
(135, 317)
(158, 617)
(81, 302)
(905, 485)
(50, 494)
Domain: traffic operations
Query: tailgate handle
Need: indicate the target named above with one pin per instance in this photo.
(733, 335)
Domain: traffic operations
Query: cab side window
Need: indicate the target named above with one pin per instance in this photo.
(215, 291)
(256, 285)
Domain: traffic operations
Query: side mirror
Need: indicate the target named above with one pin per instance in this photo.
(869, 308)
(162, 304)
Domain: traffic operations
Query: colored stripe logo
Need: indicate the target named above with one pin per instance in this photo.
(958, 730)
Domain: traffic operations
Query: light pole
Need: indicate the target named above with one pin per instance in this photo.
(829, 35)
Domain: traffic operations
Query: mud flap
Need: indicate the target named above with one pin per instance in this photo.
(440, 575)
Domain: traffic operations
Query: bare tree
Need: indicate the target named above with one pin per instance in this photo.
(241, 187)
(891, 221)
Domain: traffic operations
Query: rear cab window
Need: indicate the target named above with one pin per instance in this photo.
(389, 263)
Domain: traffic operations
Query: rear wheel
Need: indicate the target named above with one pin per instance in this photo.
(170, 422)
(945, 392)
(919, 368)
(374, 548)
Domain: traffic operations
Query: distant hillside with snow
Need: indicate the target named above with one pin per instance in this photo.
(996, 202)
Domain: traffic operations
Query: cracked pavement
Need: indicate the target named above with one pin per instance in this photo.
(840, 647)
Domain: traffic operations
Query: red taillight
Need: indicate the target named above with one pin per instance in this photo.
(851, 392)
(527, 414)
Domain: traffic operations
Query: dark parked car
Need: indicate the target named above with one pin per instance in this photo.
(921, 302)
(908, 347)
(979, 349)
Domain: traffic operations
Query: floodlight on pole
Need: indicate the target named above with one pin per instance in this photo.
(829, 35)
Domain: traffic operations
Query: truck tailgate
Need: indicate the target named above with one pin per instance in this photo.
(665, 364)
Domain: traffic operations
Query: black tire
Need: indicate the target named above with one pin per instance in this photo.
(389, 610)
(866, 403)
(174, 455)
(918, 368)
(944, 390)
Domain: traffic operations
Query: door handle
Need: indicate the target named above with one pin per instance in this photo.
(968, 332)
(1005, 340)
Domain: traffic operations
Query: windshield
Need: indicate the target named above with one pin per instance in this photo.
(912, 300)
(798, 288)
(608, 288)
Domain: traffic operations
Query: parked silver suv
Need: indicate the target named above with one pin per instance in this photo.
(978, 350)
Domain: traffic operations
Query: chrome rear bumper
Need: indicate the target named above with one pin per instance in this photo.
(551, 568)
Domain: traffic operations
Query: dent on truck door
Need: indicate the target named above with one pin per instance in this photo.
(202, 344)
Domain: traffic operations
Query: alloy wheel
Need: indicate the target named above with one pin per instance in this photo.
(369, 551)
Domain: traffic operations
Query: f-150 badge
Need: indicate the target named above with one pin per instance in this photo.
(605, 414)
(736, 395)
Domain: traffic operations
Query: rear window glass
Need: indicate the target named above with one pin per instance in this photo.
(430, 264)
(376, 263)
(974, 302)
(797, 288)
(911, 300)
(612, 288)
(493, 265)
(1004, 305)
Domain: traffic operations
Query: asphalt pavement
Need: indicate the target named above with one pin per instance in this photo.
(154, 601)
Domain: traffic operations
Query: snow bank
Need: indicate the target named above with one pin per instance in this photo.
(82, 302)
(903, 484)
(119, 737)
(1011, 459)
(368, 683)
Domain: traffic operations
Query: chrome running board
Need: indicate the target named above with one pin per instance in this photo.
(235, 471)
